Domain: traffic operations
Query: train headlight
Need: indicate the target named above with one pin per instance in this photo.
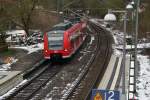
(65, 50)
(46, 51)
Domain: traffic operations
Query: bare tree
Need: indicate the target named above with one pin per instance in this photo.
(20, 12)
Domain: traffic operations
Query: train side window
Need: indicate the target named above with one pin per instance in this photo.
(75, 36)
(68, 26)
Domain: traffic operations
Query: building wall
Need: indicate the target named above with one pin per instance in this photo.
(3, 45)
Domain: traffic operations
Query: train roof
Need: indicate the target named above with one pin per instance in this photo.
(55, 32)
(62, 26)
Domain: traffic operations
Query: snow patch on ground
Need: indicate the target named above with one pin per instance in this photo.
(118, 37)
(31, 48)
(12, 90)
(139, 46)
(143, 81)
(117, 52)
(92, 39)
(5, 67)
(48, 98)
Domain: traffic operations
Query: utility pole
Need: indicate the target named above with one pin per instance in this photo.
(137, 2)
(60, 4)
(124, 56)
(57, 5)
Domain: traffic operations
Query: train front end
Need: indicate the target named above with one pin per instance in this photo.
(55, 45)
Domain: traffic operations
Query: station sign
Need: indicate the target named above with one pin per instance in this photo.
(105, 95)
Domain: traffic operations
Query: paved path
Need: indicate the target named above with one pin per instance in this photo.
(112, 79)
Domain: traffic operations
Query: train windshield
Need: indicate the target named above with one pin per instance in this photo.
(59, 28)
(55, 40)
(62, 26)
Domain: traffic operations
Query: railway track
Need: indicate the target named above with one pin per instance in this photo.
(83, 89)
(69, 76)
(29, 89)
(75, 79)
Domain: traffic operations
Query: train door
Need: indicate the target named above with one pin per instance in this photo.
(75, 46)
(72, 40)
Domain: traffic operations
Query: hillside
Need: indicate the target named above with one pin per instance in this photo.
(37, 13)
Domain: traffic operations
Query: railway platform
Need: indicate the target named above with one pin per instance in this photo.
(14, 75)
(112, 79)
(9, 79)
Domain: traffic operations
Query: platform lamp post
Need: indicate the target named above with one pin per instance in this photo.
(136, 4)
(129, 7)
(133, 57)
(135, 23)
(110, 17)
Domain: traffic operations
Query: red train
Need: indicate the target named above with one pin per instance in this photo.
(63, 40)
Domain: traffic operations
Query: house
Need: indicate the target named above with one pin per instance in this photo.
(15, 36)
(3, 45)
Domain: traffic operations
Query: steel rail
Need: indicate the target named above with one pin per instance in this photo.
(31, 87)
(71, 95)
